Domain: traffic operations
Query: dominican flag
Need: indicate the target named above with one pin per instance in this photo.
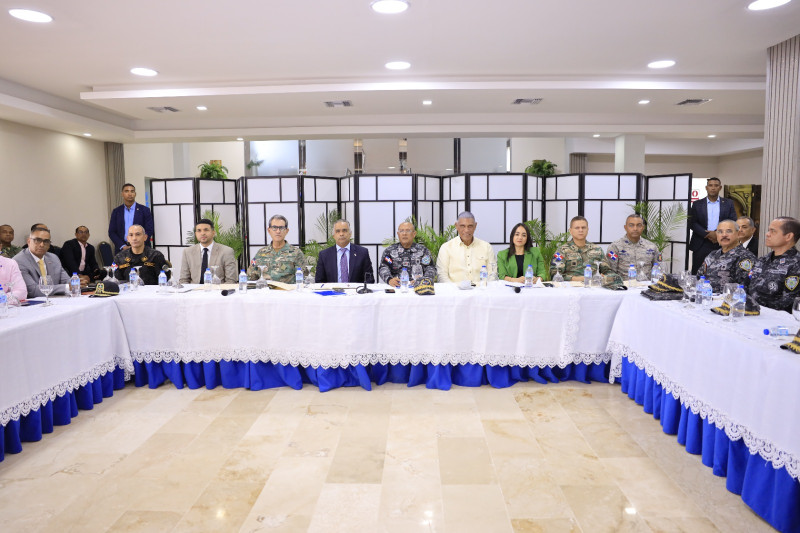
(558, 257)
(388, 259)
(612, 255)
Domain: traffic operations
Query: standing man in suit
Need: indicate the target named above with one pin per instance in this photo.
(344, 262)
(77, 255)
(197, 258)
(747, 234)
(126, 215)
(704, 215)
(35, 262)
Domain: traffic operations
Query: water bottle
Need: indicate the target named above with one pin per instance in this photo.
(242, 282)
(162, 282)
(529, 276)
(655, 273)
(777, 331)
(208, 278)
(484, 277)
(133, 279)
(739, 302)
(708, 294)
(298, 278)
(3, 303)
(587, 276)
(700, 293)
(74, 285)
(632, 273)
(404, 280)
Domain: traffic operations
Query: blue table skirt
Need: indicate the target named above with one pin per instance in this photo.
(772, 493)
(58, 412)
(258, 375)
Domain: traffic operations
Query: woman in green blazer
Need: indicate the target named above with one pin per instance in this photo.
(512, 263)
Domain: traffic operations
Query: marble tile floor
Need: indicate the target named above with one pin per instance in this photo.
(531, 458)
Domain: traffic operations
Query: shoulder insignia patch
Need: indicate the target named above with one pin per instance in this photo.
(558, 257)
(426, 260)
(745, 264)
(612, 255)
(791, 282)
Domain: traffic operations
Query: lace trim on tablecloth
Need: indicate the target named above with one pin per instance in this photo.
(36, 401)
(345, 360)
(764, 448)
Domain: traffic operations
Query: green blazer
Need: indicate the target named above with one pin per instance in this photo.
(507, 266)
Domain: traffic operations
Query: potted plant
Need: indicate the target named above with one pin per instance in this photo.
(254, 164)
(546, 241)
(213, 170)
(659, 224)
(541, 167)
(232, 237)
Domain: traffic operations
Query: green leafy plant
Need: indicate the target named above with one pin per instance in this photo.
(214, 171)
(427, 236)
(541, 167)
(254, 164)
(324, 225)
(546, 241)
(660, 222)
(233, 236)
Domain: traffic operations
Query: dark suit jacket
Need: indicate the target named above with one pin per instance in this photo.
(116, 228)
(698, 218)
(753, 244)
(71, 258)
(360, 265)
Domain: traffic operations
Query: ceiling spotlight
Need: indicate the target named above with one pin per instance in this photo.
(397, 65)
(664, 63)
(760, 5)
(239, 138)
(202, 108)
(87, 134)
(427, 102)
(644, 102)
(596, 135)
(142, 71)
(712, 136)
(389, 7)
(29, 15)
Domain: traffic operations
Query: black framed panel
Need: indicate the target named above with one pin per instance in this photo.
(266, 196)
(174, 208)
(608, 199)
(498, 203)
(320, 196)
(665, 190)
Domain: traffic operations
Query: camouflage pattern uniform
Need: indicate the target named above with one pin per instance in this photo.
(151, 261)
(775, 281)
(10, 251)
(281, 264)
(623, 252)
(731, 267)
(575, 260)
(395, 257)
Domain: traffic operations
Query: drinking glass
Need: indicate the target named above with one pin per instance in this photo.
(109, 274)
(682, 280)
(796, 309)
(641, 275)
(168, 271)
(727, 296)
(558, 279)
(139, 281)
(262, 280)
(597, 278)
(492, 271)
(310, 269)
(689, 288)
(12, 300)
(46, 286)
(416, 273)
(215, 281)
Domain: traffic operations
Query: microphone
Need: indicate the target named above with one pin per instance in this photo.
(226, 292)
(364, 289)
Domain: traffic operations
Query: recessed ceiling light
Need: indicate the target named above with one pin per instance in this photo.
(87, 134)
(391, 168)
(397, 65)
(712, 136)
(143, 71)
(389, 7)
(644, 102)
(630, 510)
(760, 5)
(427, 102)
(663, 63)
(596, 135)
(29, 15)
(202, 108)
(239, 138)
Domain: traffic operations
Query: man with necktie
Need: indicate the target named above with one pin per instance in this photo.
(35, 262)
(197, 258)
(704, 216)
(344, 262)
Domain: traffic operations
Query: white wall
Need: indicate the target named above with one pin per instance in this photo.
(147, 161)
(53, 178)
(525, 149)
(700, 166)
(230, 153)
(741, 169)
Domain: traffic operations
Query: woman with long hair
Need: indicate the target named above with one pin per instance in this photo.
(512, 263)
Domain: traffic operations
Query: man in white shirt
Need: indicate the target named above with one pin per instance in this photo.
(462, 258)
(207, 253)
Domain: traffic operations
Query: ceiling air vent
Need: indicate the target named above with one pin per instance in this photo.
(529, 101)
(339, 103)
(694, 101)
(163, 109)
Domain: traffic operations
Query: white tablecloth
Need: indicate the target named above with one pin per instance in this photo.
(48, 351)
(730, 373)
(537, 327)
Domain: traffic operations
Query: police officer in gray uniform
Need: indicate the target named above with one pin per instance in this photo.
(405, 254)
(731, 263)
(632, 249)
(775, 279)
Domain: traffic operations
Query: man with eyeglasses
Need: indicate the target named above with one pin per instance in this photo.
(280, 258)
(197, 258)
(729, 264)
(36, 262)
(405, 254)
(53, 249)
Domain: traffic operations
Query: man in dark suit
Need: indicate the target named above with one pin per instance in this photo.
(125, 216)
(747, 234)
(77, 255)
(345, 262)
(704, 216)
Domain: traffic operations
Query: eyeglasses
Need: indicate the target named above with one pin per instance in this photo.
(37, 240)
(278, 228)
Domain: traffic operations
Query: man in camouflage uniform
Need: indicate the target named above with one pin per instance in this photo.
(6, 237)
(281, 258)
(775, 279)
(632, 249)
(731, 263)
(578, 253)
(405, 254)
(152, 261)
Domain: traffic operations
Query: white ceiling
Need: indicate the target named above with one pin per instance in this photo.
(265, 67)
